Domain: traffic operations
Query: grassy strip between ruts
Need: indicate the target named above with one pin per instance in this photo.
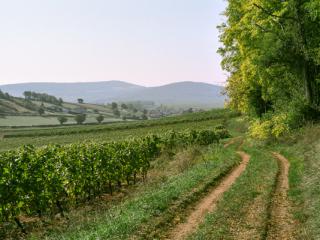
(159, 226)
(124, 220)
(302, 149)
(243, 211)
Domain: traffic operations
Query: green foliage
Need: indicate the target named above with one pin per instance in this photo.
(43, 97)
(124, 106)
(116, 112)
(271, 49)
(80, 118)
(100, 118)
(41, 111)
(114, 105)
(55, 178)
(276, 126)
(185, 118)
(62, 119)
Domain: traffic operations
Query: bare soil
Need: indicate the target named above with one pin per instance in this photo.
(208, 204)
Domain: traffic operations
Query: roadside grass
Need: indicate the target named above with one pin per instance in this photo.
(243, 211)
(303, 151)
(132, 215)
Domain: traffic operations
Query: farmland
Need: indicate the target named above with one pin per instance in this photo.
(13, 138)
(163, 172)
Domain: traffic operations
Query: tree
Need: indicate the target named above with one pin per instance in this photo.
(80, 118)
(100, 118)
(62, 119)
(80, 100)
(41, 111)
(27, 95)
(271, 50)
(114, 105)
(124, 106)
(116, 112)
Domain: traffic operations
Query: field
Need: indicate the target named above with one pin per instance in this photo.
(9, 121)
(13, 138)
(195, 176)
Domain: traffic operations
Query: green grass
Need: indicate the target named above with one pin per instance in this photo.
(192, 117)
(10, 121)
(112, 131)
(303, 151)
(242, 212)
(124, 220)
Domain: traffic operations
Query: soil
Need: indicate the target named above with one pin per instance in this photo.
(208, 204)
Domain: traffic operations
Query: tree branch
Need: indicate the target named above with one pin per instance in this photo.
(271, 14)
(269, 31)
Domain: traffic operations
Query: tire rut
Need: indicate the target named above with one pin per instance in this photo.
(281, 223)
(208, 203)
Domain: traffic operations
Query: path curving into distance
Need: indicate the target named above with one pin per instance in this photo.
(208, 203)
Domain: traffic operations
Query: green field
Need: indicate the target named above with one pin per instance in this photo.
(16, 121)
(13, 138)
(176, 182)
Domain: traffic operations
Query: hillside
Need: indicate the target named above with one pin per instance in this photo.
(183, 93)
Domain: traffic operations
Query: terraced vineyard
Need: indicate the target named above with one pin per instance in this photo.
(179, 184)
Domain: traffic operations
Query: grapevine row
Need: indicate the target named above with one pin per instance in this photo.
(54, 178)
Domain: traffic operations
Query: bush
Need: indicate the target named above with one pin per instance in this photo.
(62, 119)
(80, 118)
(100, 118)
(274, 126)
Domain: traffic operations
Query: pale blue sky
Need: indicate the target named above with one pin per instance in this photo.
(148, 42)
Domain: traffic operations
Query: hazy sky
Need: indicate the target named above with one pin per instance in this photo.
(148, 42)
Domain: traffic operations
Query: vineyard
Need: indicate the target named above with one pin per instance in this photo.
(53, 179)
(60, 131)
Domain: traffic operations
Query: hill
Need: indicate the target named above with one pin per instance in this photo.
(183, 93)
(93, 92)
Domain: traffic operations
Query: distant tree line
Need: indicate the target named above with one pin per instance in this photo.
(43, 97)
(4, 95)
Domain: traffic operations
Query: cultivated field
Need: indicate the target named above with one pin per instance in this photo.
(197, 176)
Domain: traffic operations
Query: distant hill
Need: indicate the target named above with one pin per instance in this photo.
(182, 93)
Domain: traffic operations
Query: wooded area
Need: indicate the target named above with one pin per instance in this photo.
(272, 52)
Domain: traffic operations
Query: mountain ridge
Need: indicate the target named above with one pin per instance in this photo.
(178, 93)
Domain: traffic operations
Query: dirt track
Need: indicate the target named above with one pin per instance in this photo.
(281, 225)
(208, 203)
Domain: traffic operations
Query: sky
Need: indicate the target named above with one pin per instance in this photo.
(146, 42)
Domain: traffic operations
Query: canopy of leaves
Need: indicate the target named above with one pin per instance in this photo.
(272, 52)
(80, 118)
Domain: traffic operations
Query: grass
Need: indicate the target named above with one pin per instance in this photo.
(96, 133)
(242, 212)
(133, 216)
(9, 121)
(303, 151)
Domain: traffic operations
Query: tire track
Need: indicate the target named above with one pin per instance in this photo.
(208, 203)
(281, 225)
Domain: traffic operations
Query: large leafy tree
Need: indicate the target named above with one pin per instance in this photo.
(272, 52)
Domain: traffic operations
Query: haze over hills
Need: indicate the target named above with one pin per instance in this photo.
(182, 93)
